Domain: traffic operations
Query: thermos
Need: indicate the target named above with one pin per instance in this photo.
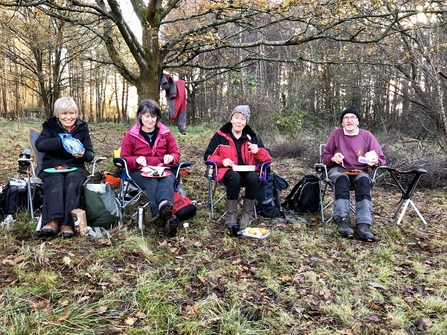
(140, 217)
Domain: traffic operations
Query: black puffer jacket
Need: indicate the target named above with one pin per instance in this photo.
(50, 143)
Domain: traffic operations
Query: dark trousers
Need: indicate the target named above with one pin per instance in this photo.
(235, 180)
(157, 189)
(62, 194)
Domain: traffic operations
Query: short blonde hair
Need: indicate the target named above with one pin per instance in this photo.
(65, 104)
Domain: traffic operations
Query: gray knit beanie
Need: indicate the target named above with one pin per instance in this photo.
(244, 110)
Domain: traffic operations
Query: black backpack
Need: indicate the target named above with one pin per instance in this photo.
(14, 196)
(305, 196)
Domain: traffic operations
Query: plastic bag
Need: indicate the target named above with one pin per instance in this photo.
(71, 145)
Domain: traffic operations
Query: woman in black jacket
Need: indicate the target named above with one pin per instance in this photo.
(63, 188)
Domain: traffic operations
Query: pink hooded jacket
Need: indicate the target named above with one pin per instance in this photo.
(135, 145)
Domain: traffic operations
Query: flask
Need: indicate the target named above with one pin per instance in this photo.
(180, 190)
(140, 217)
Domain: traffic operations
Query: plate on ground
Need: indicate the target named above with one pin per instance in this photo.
(255, 232)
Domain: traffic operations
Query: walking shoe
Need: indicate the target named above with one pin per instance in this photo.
(171, 226)
(344, 228)
(51, 228)
(67, 231)
(364, 232)
(164, 214)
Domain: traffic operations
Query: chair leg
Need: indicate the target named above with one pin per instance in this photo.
(402, 214)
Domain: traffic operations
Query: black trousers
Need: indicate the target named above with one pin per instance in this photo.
(235, 180)
(62, 194)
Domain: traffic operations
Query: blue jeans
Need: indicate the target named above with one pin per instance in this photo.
(157, 189)
(362, 186)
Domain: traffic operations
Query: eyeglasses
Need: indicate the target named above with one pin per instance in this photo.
(353, 117)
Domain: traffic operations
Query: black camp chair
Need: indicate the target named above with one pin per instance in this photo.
(406, 181)
(129, 191)
(30, 162)
(211, 174)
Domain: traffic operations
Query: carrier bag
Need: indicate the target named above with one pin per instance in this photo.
(305, 195)
(71, 145)
(184, 209)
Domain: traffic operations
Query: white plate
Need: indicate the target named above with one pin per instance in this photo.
(159, 169)
(257, 234)
(244, 168)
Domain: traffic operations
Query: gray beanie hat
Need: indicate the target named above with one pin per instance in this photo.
(350, 110)
(244, 110)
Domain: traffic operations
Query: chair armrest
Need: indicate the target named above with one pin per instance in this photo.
(95, 161)
(321, 170)
(121, 163)
(263, 170)
(211, 169)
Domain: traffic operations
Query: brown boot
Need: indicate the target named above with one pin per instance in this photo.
(51, 228)
(247, 212)
(231, 213)
(66, 231)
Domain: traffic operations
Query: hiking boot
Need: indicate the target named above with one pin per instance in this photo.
(364, 232)
(67, 231)
(171, 225)
(247, 212)
(164, 214)
(51, 228)
(344, 228)
(231, 213)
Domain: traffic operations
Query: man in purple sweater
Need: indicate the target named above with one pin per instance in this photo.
(348, 149)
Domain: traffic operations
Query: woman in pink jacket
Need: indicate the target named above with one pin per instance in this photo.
(150, 143)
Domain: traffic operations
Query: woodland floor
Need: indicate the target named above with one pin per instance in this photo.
(302, 279)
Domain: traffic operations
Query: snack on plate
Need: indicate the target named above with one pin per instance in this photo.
(61, 167)
(259, 233)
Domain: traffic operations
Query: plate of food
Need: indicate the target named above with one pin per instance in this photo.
(60, 169)
(155, 174)
(244, 168)
(259, 233)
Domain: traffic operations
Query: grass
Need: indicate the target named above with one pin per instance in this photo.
(302, 279)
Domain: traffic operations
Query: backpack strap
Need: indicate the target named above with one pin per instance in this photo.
(97, 232)
(293, 191)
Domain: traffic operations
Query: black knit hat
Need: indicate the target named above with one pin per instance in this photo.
(350, 110)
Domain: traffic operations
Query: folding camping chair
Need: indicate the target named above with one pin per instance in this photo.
(130, 192)
(325, 183)
(211, 174)
(31, 162)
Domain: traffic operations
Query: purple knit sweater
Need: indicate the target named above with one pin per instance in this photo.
(351, 147)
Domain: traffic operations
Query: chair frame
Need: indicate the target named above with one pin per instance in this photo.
(322, 174)
(127, 182)
(211, 175)
(406, 197)
(34, 164)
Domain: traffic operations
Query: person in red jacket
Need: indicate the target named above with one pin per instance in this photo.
(235, 143)
(150, 143)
